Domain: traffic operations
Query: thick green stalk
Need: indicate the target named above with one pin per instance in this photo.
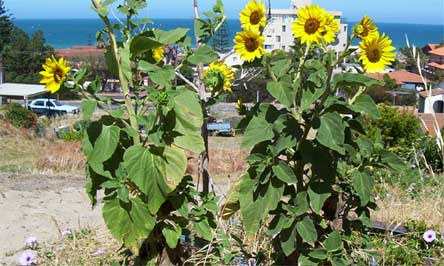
(123, 80)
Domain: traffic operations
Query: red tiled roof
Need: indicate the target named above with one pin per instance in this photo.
(436, 65)
(438, 51)
(80, 51)
(428, 123)
(434, 92)
(401, 77)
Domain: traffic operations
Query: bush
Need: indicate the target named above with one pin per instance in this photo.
(71, 135)
(433, 155)
(397, 128)
(20, 117)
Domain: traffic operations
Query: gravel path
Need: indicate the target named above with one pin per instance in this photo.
(41, 206)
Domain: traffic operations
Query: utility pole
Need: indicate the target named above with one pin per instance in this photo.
(204, 157)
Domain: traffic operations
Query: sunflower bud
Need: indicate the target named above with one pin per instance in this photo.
(214, 80)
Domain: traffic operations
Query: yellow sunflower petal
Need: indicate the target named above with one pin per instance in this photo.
(249, 45)
(54, 73)
(253, 16)
(376, 53)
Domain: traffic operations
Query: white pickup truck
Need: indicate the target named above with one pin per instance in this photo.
(50, 107)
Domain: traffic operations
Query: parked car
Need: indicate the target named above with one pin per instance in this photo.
(51, 107)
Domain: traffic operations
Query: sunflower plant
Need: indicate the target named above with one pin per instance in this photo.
(136, 152)
(309, 182)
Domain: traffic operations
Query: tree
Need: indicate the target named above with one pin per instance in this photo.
(221, 42)
(6, 26)
(24, 56)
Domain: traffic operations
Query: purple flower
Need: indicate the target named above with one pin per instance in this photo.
(99, 251)
(429, 236)
(27, 258)
(31, 242)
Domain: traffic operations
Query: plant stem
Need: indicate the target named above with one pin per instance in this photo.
(123, 80)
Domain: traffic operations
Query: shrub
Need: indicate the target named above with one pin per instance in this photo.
(433, 155)
(71, 135)
(399, 131)
(20, 117)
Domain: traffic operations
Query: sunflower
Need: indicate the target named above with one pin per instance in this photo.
(310, 24)
(54, 73)
(158, 53)
(376, 53)
(329, 30)
(249, 45)
(219, 76)
(253, 16)
(366, 28)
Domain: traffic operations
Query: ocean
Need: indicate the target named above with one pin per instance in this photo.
(65, 33)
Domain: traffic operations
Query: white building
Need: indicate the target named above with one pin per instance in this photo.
(279, 35)
(431, 101)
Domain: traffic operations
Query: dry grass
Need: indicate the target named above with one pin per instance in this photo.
(399, 207)
(87, 247)
(22, 152)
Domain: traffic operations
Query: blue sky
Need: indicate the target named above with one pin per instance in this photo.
(404, 11)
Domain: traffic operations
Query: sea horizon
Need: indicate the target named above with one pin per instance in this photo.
(82, 30)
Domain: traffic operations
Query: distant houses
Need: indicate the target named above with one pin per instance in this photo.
(404, 79)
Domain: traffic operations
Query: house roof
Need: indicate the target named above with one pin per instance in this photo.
(438, 51)
(429, 124)
(80, 51)
(21, 90)
(434, 92)
(401, 77)
(436, 65)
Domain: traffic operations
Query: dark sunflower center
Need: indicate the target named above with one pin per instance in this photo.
(58, 75)
(251, 44)
(374, 54)
(255, 18)
(312, 25)
(364, 31)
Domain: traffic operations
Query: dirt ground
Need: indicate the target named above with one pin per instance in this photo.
(41, 206)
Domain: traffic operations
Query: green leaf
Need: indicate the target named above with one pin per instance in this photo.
(307, 230)
(333, 242)
(123, 194)
(301, 203)
(189, 120)
(104, 148)
(347, 79)
(172, 233)
(147, 171)
(306, 261)
(260, 127)
(141, 44)
(203, 55)
(339, 262)
(176, 165)
(159, 75)
(203, 229)
(88, 107)
(288, 240)
(281, 67)
(393, 161)
(363, 185)
(319, 254)
(318, 193)
(310, 96)
(129, 223)
(285, 173)
(282, 91)
(365, 104)
(266, 199)
(170, 37)
(331, 133)
(118, 113)
(125, 61)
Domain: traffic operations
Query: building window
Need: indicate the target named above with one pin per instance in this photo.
(268, 47)
(283, 47)
(345, 27)
(278, 38)
(284, 28)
